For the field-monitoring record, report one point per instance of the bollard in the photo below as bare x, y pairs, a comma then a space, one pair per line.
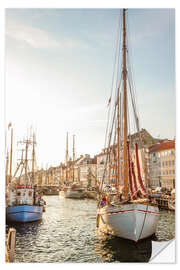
11, 242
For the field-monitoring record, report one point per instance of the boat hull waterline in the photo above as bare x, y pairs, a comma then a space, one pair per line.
74, 194
24, 213
130, 221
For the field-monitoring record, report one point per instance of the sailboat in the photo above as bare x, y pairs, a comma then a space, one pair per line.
23, 200
129, 212
71, 189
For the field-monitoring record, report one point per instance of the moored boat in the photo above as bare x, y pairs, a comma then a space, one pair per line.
75, 191
24, 204
70, 188
134, 221
23, 200
129, 212
24, 213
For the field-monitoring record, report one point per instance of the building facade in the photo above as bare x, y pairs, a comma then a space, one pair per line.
88, 171
162, 165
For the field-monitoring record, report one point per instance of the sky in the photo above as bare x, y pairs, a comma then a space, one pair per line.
58, 74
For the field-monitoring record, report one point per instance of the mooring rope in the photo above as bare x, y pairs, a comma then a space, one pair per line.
143, 222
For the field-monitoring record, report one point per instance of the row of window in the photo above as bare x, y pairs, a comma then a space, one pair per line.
168, 163
163, 153
168, 172
168, 182
158, 173
164, 182
163, 163
155, 173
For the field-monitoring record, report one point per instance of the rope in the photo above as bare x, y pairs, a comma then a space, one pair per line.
110, 135
134, 179
143, 222
111, 122
113, 77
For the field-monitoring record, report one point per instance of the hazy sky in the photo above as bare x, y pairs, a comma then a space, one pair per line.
59, 66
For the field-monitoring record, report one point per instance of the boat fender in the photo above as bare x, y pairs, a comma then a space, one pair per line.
97, 220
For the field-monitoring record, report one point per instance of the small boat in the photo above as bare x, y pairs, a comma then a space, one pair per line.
23, 200
129, 212
71, 189
24, 213
51, 191
75, 191
24, 204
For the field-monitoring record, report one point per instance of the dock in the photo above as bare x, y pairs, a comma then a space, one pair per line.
163, 201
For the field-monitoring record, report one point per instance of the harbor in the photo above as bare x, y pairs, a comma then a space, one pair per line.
67, 233
89, 174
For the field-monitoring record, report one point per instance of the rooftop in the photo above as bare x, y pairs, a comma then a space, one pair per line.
162, 146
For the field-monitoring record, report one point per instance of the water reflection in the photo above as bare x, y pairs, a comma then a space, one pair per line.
67, 233
115, 249
23, 229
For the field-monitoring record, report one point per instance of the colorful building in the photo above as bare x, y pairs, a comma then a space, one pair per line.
162, 165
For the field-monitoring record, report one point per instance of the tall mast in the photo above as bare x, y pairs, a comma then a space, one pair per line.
118, 139
66, 157
26, 157
125, 154
20, 163
7, 166
11, 152
73, 154
33, 156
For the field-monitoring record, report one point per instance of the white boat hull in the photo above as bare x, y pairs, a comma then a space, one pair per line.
74, 194
130, 221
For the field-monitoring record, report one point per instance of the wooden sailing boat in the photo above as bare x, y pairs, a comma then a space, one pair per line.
128, 213
71, 188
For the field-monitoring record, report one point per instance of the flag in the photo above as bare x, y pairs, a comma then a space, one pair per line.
9, 125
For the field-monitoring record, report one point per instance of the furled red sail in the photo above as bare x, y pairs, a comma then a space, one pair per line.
143, 190
134, 180
130, 175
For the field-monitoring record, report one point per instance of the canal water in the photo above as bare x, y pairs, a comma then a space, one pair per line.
67, 233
